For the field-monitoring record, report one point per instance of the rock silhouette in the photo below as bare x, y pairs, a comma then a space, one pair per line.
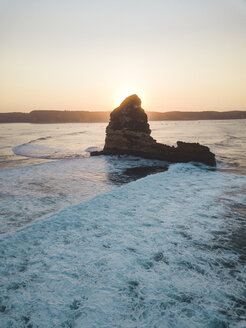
128, 132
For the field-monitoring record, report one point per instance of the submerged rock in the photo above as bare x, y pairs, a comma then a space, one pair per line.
128, 133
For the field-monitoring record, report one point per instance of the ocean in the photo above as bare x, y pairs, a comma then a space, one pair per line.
121, 241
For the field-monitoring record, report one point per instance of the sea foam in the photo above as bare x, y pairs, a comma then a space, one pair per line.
157, 252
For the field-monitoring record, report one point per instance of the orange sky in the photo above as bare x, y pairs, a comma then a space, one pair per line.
90, 55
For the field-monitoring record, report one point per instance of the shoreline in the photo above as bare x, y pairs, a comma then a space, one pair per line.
54, 117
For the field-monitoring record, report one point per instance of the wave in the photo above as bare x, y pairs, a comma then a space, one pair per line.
156, 247
39, 151
39, 139
91, 149
230, 139
59, 135
34, 149
55, 184
227, 164
73, 133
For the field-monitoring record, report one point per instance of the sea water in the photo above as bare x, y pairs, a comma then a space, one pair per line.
95, 242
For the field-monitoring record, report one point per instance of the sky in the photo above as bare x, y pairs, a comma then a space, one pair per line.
90, 55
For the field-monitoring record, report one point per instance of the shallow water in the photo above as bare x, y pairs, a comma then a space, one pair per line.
125, 249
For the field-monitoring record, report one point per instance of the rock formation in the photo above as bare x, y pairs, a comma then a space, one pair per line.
128, 133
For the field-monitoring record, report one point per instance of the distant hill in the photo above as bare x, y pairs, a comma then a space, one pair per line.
190, 116
56, 116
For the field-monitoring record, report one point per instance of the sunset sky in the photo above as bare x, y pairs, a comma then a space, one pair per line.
89, 55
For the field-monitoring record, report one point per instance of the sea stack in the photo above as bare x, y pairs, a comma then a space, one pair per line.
128, 133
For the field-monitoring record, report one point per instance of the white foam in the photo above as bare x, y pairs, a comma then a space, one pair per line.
158, 252
33, 150
28, 193
91, 149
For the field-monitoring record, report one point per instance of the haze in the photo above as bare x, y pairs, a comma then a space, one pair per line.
89, 55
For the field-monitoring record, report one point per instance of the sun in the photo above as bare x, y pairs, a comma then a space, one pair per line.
123, 94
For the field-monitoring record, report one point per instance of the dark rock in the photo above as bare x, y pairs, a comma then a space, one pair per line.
134, 173
128, 132
143, 171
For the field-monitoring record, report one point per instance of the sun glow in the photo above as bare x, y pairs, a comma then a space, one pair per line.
126, 93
